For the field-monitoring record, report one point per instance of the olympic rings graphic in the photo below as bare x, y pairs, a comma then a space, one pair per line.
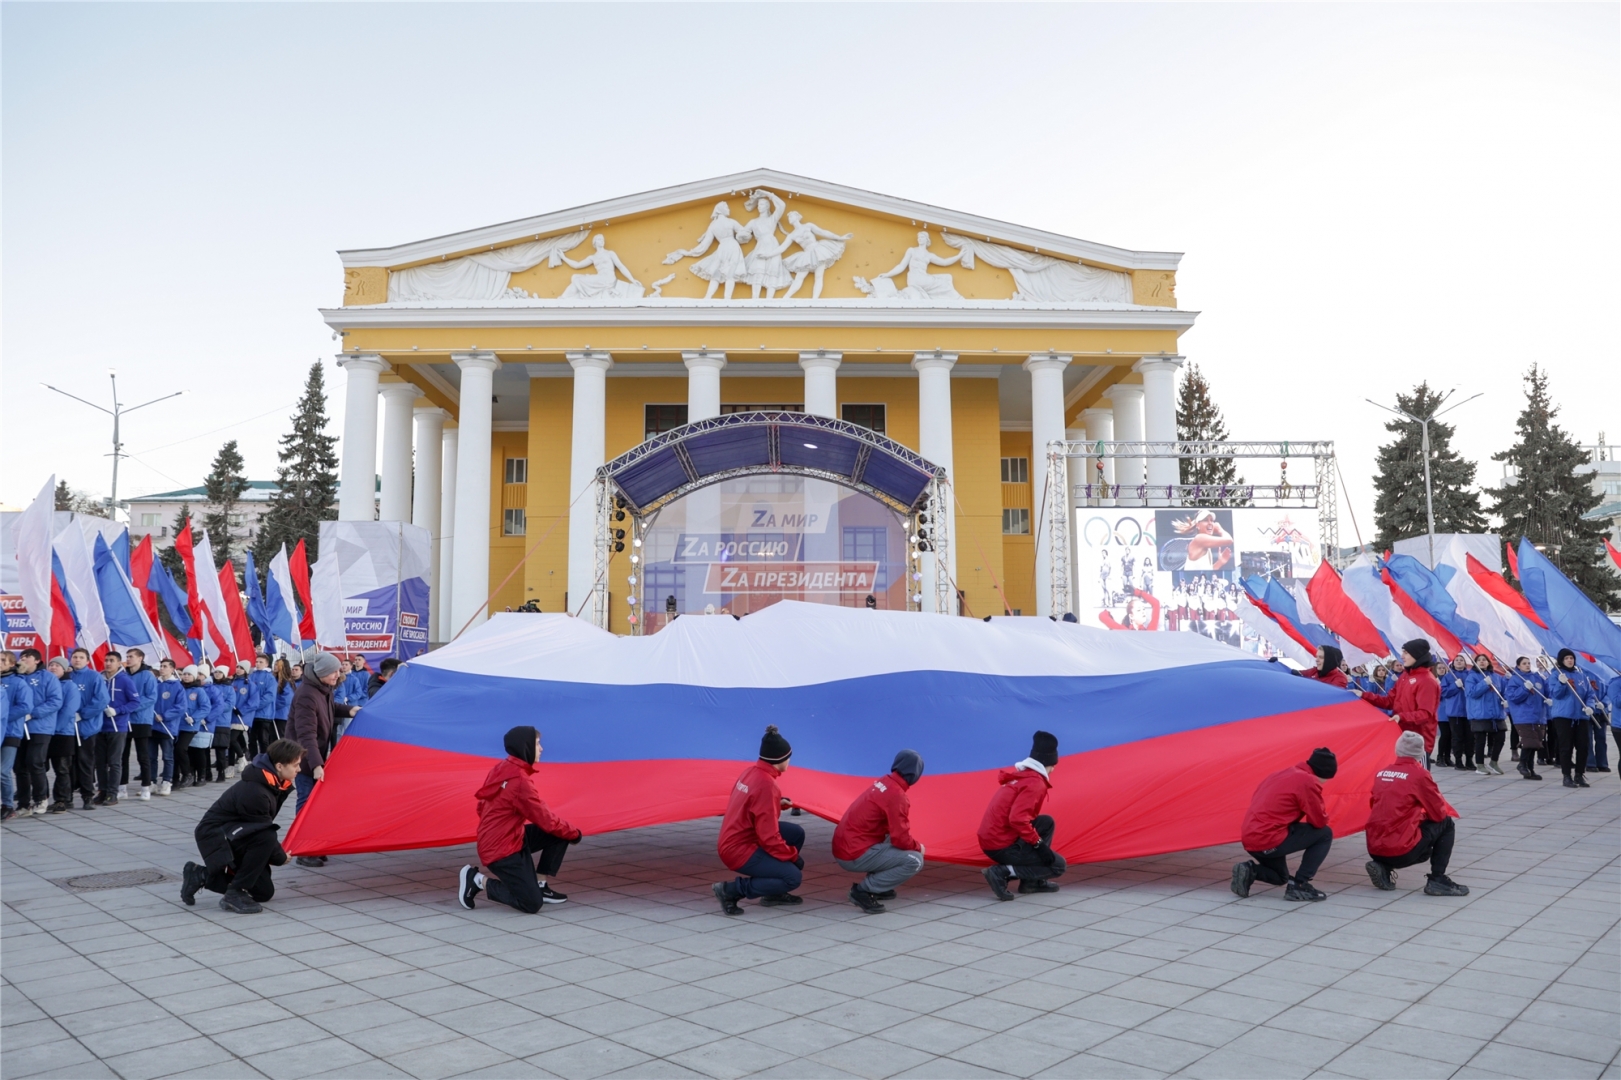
1091, 537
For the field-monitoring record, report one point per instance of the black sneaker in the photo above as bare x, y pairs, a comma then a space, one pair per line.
110, 800
1296, 891
99, 800
1441, 885
469, 888
89, 804
59, 808
787, 899
887, 894
865, 900
1581, 781
191, 879
7, 813
1243, 878
1568, 781
1599, 768
723, 893
549, 895
1037, 886
240, 903
310, 860
1532, 774
1382, 876
997, 877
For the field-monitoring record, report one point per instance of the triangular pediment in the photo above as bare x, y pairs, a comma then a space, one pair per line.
669, 244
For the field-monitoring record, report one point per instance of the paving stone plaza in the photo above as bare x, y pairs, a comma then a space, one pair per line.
369, 968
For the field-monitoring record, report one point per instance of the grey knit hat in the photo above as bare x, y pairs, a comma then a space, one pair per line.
325, 664
1411, 744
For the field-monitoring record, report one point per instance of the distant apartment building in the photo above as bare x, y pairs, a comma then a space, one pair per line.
154, 515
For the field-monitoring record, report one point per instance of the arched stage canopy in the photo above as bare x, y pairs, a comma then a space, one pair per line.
668, 466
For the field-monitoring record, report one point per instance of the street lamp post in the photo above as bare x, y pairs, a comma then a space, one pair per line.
1424, 429
117, 413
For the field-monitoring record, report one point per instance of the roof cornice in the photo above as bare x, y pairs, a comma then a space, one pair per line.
972, 225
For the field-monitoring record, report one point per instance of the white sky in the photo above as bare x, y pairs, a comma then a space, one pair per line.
1367, 195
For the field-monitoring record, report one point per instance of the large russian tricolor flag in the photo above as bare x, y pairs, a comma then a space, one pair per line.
1163, 736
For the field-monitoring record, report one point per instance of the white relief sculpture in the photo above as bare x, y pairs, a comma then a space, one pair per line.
726, 266
605, 283
1043, 279
484, 276
818, 250
763, 265
920, 284
658, 286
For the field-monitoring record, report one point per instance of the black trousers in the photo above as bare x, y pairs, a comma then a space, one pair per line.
514, 880
250, 873
222, 753
33, 757
1443, 742
140, 739
199, 763
260, 736
74, 763
1570, 736
1274, 866
1434, 844
1463, 742
182, 755
1488, 744
1027, 859
239, 745
109, 759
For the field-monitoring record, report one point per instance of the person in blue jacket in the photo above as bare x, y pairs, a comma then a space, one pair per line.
1527, 696
262, 728
1483, 700
18, 701
33, 783
1453, 720
1598, 748
140, 725
359, 679
1612, 698
244, 696
94, 695
168, 718
287, 676
1570, 712
203, 741
220, 716
65, 743
122, 701
193, 705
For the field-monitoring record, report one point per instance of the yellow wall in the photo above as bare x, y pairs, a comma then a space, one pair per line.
505, 551
1018, 552
551, 426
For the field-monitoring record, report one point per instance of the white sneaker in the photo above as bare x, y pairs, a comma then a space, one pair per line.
41, 808
234, 770
1482, 770
165, 788
25, 810
123, 791
146, 793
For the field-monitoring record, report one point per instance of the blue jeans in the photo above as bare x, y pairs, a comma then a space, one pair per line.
763, 875
8, 789
302, 787
1598, 751
162, 749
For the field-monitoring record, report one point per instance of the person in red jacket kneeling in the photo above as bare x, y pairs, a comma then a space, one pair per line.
875, 835
520, 841
1014, 834
1410, 822
1287, 815
763, 850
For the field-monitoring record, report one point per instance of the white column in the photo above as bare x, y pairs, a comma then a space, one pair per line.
394, 503
1075, 475
1128, 427
1046, 426
447, 537
357, 472
821, 382
1159, 416
426, 497
470, 577
587, 452
934, 443
1099, 426
703, 384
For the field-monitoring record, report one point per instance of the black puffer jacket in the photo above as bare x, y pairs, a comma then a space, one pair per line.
248, 806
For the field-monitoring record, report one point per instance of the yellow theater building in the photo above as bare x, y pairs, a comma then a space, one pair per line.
507, 364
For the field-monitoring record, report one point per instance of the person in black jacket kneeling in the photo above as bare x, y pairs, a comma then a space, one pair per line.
237, 836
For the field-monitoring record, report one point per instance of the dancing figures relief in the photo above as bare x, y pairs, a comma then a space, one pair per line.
768, 266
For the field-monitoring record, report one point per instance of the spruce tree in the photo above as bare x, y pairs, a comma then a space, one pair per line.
1547, 497
224, 486
307, 478
79, 502
1198, 419
1398, 510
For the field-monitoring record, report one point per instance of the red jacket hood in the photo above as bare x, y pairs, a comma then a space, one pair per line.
1021, 771
499, 776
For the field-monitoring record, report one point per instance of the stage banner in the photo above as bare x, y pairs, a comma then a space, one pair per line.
743, 545
1179, 568
370, 589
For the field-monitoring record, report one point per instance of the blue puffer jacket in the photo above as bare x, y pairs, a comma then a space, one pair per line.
19, 704
1525, 704
1566, 699
67, 717
93, 700
264, 694
1481, 691
284, 700
243, 697
170, 715
222, 698
1453, 702
123, 700
194, 706
146, 693
356, 683
47, 691
1612, 697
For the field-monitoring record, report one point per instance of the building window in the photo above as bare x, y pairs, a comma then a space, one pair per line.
662, 418
739, 407
149, 520
512, 521
869, 543
868, 416
1015, 470
1016, 520
517, 472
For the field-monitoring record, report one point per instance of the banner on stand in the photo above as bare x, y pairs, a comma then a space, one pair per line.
370, 589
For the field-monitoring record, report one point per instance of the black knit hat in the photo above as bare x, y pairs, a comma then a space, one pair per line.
1419, 650
1332, 659
774, 749
1323, 763
520, 743
1044, 748
1564, 653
